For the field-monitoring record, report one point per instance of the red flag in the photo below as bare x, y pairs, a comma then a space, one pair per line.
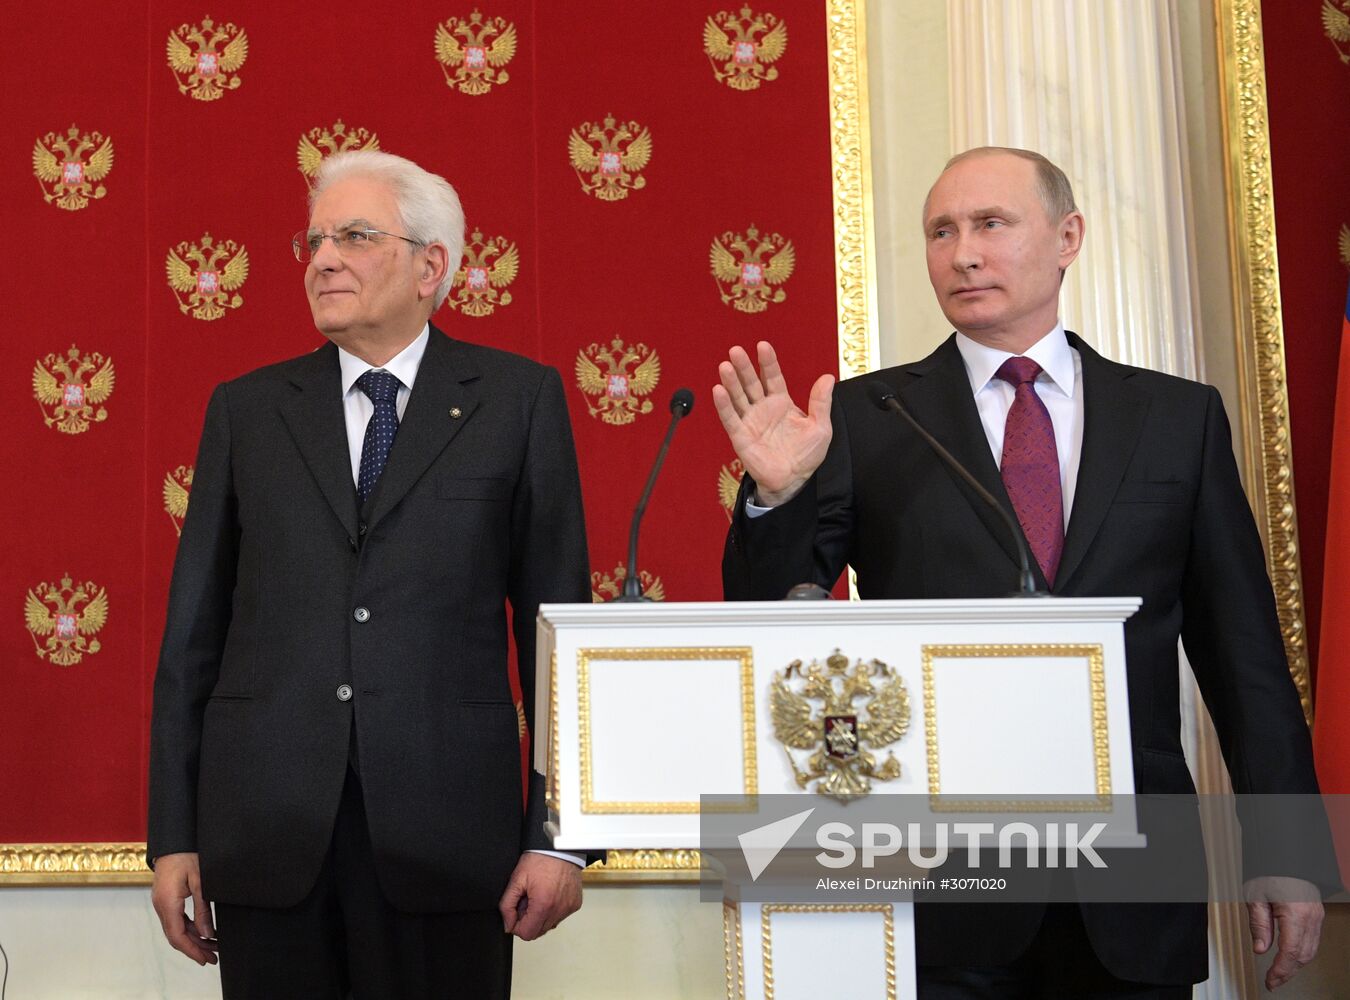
1331, 730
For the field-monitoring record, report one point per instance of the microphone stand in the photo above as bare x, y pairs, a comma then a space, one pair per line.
681, 402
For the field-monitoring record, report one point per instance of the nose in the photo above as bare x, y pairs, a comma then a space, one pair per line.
326, 258
965, 254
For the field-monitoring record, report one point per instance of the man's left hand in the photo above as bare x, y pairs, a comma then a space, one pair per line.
542, 892
1296, 906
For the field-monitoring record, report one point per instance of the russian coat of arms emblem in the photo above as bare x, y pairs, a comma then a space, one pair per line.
473, 52
608, 586
64, 619
202, 276
749, 268
620, 378
1336, 25
69, 167
743, 47
609, 157
838, 735
177, 489
70, 389
729, 485
319, 142
205, 59
490, 265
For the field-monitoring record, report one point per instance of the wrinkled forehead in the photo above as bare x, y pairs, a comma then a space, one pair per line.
971, 185
354, 201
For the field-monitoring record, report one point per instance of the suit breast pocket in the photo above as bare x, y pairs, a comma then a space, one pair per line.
473, 488
1146, 491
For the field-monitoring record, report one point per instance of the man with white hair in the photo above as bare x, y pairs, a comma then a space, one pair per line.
335, 757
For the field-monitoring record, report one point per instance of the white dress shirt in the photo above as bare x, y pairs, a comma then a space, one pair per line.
356, 405
1059, 385
358, 409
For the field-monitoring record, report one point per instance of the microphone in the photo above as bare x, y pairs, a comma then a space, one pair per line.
884, 398
681, 402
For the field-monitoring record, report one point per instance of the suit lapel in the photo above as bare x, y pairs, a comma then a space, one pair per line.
315, 419
1113, 416
940, 399
442, 401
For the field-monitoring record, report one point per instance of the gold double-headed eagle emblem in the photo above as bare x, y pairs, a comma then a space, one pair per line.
479, 286
319, 142
609, 157
202, 276
1336, 25
743, 47
729, 485
64, 618
838, 734
749, 268
69, 166
473, 52
620, 378
608, 586
69, 396
177, 490
205, 59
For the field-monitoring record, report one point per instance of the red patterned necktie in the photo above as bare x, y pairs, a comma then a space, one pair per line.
1030, 466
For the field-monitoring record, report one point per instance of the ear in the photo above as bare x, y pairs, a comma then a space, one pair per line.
432, 269
1070, 236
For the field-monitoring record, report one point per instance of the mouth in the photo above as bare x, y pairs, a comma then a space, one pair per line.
335, 291
961, 293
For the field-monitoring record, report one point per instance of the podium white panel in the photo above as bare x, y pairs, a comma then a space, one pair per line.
784, 951
643, 707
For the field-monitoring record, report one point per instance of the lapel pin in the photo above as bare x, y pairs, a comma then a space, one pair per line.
456, 413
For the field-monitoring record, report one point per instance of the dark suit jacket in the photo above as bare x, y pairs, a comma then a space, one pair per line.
1158, 512
479, 507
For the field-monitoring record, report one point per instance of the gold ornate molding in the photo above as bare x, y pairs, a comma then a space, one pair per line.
851, 173
1259, 328
646, 866
73, 864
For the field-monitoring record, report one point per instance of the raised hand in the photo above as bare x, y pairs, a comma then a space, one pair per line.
780, 445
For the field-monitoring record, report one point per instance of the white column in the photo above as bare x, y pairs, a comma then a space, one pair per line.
1097, 88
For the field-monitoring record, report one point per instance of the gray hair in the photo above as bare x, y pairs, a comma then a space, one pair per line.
427, 205
1051, 183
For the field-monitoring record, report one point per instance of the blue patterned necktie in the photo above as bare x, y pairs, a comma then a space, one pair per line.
382, 388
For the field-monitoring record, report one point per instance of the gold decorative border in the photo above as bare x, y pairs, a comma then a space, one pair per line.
855, 274
886, 910
733, 951
73, 864
851, 172
1101, 750
551, 796
1259, 327
742, 655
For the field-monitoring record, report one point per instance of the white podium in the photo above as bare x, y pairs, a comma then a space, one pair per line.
643, 708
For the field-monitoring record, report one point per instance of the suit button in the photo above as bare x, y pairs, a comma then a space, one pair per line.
344, 692
361, 530
361, 614
352, 543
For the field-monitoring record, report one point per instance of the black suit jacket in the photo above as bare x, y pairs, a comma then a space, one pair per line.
478, 508
1158, 512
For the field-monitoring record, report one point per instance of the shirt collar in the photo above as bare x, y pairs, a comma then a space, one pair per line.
403, 365
1052, 352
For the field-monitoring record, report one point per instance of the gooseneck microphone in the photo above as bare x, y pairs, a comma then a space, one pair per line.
884, 397
681, 402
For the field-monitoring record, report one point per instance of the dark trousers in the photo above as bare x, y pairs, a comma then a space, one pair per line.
344, 940
1059, 965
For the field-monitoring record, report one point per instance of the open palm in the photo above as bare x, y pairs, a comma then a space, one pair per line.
780, 445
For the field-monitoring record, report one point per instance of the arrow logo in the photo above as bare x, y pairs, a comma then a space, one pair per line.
762, 844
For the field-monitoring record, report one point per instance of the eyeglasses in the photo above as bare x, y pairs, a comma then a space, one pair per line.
348, 241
